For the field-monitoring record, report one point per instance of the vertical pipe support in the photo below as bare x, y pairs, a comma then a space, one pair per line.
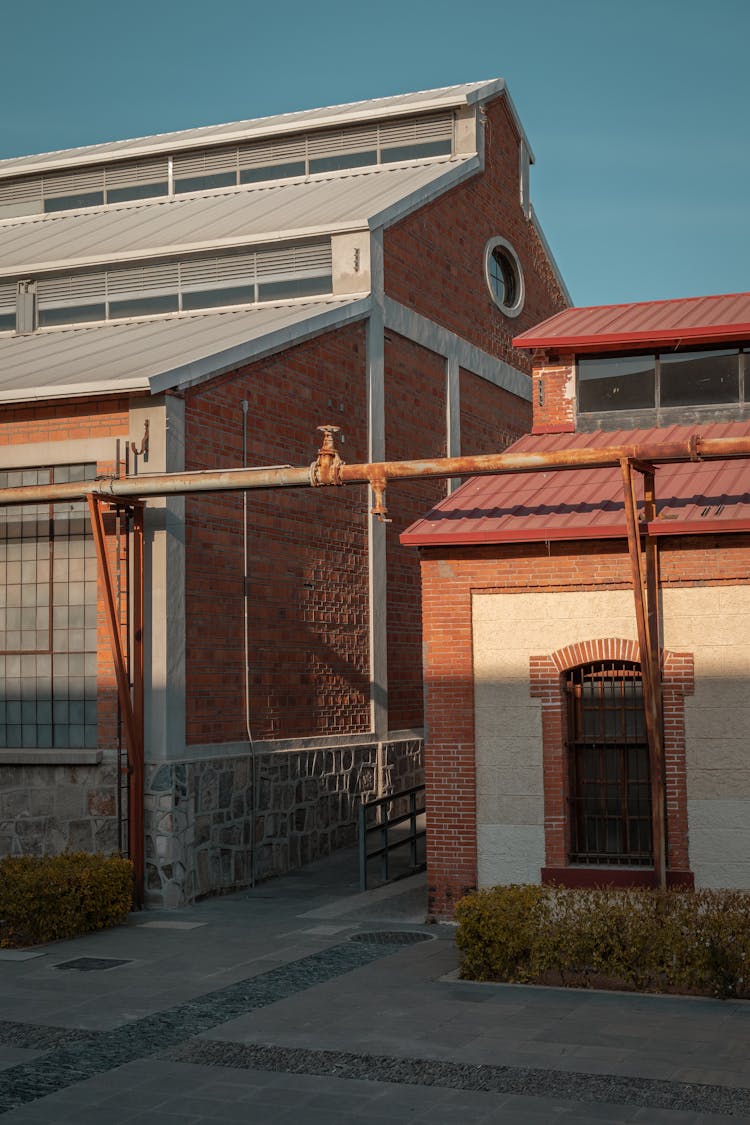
132, 710
648, 642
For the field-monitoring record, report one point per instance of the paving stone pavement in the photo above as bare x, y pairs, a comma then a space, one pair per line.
258, 1007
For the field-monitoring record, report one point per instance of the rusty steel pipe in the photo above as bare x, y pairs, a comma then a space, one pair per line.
694, 448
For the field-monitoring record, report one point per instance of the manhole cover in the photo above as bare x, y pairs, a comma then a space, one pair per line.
91, 964
391, 937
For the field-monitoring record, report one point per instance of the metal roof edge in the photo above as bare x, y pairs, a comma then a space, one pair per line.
517, 121
553, 261
75, 390
218, 363
186, 139
460, 169
658, 529
605, 341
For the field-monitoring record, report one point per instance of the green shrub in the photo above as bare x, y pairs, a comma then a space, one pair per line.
655, 941
45, 898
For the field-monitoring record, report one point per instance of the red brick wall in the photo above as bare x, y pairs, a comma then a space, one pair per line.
434, 259
491, 418
67, 418
448, 578
553, 397
307, 552
415, 426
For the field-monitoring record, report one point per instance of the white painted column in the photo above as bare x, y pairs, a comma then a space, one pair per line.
453, 413
164, 593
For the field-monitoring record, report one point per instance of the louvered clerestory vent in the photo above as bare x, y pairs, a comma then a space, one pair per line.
245, 277
355, 146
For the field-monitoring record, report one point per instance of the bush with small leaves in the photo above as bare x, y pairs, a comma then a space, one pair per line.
46, 898
695, 942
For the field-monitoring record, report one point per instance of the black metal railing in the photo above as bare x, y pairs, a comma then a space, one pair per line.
407, 832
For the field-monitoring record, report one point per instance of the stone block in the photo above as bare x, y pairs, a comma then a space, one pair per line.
100, 803
105, 835
80, 836
161, 780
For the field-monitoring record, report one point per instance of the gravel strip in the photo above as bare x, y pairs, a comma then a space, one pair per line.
575, 1087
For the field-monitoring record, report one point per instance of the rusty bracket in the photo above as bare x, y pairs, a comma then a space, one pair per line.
378, 486
694, 447
326, 469
143, 451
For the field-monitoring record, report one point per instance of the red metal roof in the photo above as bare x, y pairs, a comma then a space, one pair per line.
691, 320
692, 498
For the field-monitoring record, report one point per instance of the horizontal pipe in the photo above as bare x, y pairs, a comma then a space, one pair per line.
286, 476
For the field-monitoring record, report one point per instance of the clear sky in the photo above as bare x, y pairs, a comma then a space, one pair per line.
638, 110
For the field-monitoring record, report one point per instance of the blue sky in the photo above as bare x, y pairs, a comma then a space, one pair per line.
638, 110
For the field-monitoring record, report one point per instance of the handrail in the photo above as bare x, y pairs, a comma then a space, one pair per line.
382, 827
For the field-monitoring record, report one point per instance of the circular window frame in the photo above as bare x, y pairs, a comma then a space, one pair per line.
510, 254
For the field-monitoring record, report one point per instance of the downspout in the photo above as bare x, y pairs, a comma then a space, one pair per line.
246, 647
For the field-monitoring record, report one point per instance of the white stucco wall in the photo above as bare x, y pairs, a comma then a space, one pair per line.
711, 622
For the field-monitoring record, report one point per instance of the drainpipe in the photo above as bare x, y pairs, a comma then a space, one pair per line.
246, 647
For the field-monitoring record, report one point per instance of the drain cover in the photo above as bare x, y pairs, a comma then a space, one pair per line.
91, 964
392, 937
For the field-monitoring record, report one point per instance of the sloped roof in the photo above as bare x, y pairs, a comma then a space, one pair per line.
154, 355
695, 320
692, 498
242, 216
255, 128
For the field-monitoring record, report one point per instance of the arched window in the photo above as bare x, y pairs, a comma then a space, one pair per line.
609, 781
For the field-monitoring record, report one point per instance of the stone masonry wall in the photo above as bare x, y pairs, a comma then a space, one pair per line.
45, 810
199, 823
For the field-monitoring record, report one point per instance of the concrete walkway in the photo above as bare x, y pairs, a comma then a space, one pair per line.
260, 1008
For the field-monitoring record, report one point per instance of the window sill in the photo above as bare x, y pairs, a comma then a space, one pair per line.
601, 876
59, 757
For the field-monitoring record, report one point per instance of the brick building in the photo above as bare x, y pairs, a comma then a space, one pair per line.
205, 299
539, 761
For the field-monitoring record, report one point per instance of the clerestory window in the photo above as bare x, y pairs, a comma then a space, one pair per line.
608, 765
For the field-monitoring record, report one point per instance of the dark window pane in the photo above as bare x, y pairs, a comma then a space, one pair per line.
272, 172
68, 202
136, 191
71, 314
143, 306
342, 160
415, 150
695, 378
211, 298
7, 322
293, 287
625, 383
205, 183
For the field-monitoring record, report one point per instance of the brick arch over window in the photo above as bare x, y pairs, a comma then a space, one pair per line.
546, 685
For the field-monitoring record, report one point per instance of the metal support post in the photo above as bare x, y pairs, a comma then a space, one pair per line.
648, 640
132, 714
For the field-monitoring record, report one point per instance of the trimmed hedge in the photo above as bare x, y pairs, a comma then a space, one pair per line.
46, 898
682, 941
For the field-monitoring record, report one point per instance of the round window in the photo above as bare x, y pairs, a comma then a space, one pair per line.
504, 276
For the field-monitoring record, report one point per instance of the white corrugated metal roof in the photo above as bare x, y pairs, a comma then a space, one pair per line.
421, 101
344, 201
160, 353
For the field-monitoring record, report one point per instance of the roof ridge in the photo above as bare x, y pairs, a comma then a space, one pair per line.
77, 151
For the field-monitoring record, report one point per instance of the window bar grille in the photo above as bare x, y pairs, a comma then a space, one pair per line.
610, 801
